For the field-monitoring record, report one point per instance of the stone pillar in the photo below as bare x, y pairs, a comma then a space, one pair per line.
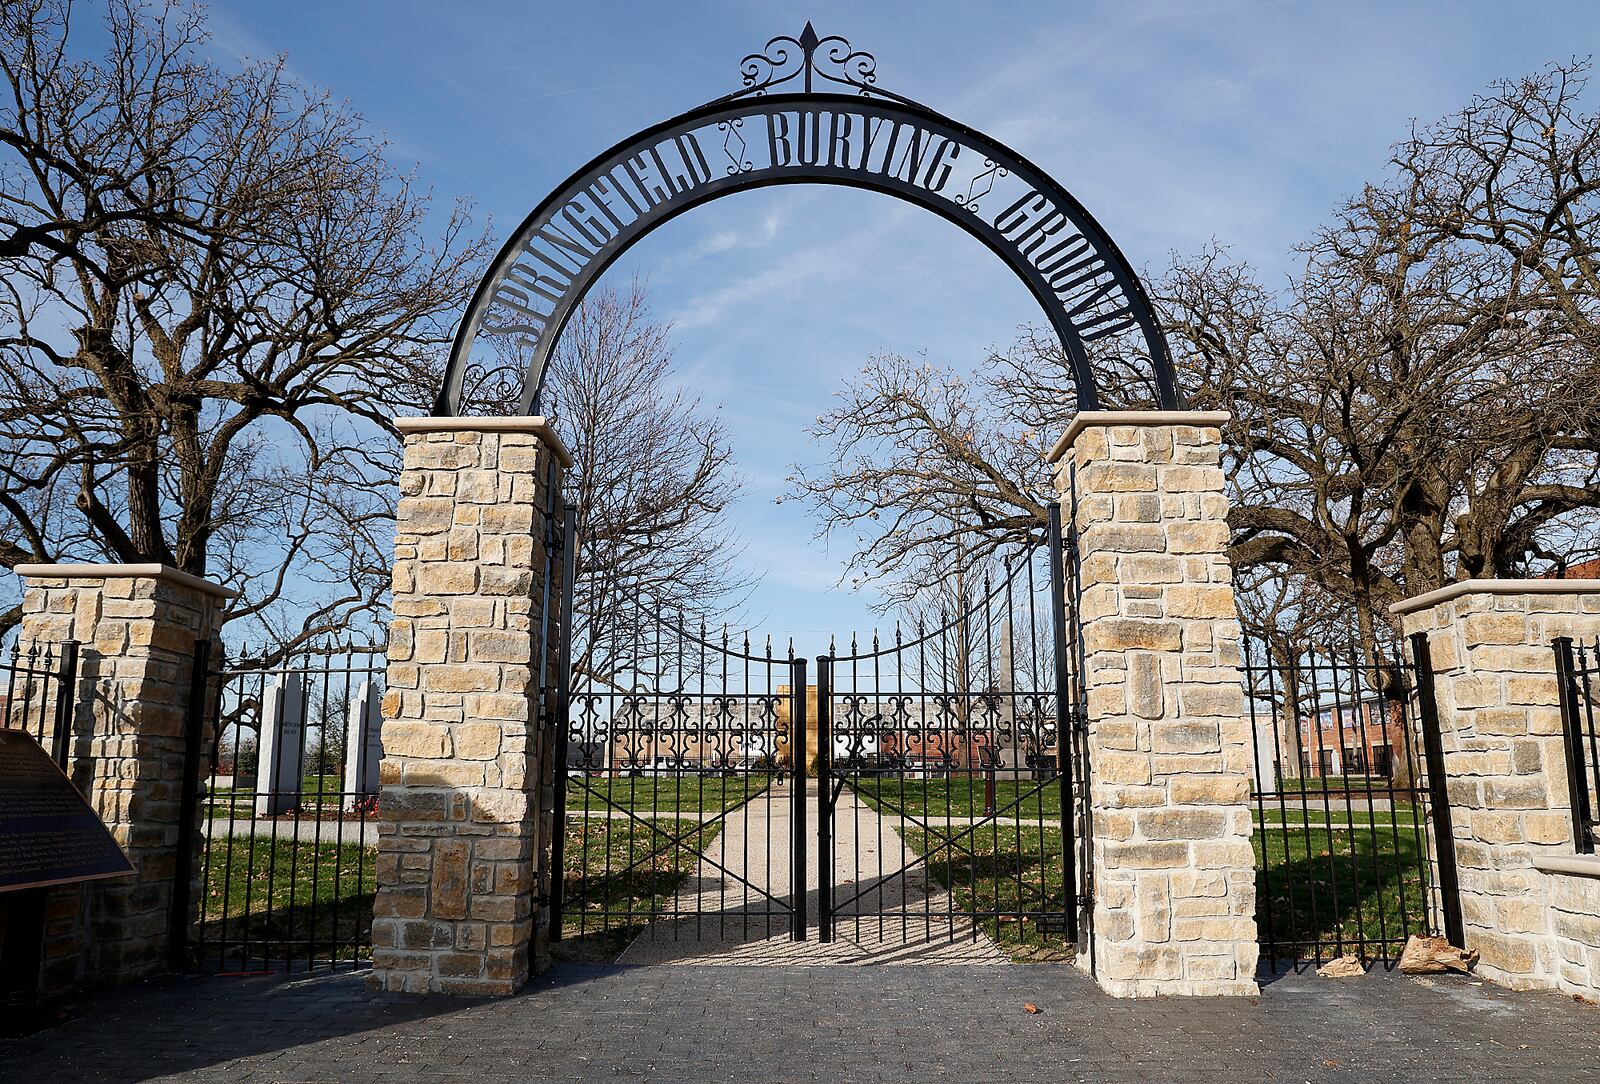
1169, 744
467, 771
1530, 905
137, 626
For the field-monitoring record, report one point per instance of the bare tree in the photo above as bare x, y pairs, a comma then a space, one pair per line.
929, 473
1288, 621
1404, 420
1428, 395
216, 294
652, 479
1418, 405
1514, 178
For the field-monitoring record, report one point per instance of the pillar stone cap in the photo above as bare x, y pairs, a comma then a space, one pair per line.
1576, 865
536, 425
1098, 419
1495, 587
112, 572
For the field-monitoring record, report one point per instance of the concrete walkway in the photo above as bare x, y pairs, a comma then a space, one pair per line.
870, 863
810, 1025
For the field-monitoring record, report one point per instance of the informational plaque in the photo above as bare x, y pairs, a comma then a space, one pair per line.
48, 834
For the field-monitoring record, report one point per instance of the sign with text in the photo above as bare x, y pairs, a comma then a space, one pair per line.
48, 832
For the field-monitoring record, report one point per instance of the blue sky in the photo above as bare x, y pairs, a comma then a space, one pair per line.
1174, 123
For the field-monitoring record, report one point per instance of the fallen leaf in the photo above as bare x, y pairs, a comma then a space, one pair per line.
1433, 954
1345, 967
1030, 1008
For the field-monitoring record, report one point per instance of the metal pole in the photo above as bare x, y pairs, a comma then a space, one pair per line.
1572, 744
66, 701
1064, 732
558, 833
544, 716
824, 806
797, 798
1444, 839
188, 808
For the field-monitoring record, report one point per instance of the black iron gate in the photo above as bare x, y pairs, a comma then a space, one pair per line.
952, 769
682, 814
945, 764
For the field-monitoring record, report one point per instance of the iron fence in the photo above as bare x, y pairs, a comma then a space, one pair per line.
288, 860
1343, 852
35, 684
1578, 672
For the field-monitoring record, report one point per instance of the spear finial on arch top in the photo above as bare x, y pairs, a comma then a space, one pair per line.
808, 59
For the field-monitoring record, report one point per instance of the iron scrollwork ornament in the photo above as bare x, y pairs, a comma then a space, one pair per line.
828, 60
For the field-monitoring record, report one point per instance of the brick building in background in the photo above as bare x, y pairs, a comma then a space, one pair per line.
1362, 738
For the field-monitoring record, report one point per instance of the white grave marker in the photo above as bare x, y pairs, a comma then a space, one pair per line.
283, 714
363, 746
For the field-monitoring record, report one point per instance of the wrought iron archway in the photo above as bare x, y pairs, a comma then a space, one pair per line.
810, 112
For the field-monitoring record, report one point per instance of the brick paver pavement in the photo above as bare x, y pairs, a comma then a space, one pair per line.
843, 1024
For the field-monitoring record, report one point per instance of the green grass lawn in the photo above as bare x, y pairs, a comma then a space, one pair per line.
1321, 891
274, 899
651, 794
1012, 868
1019, 870
1318, 889
236, 803
618, 873
1314, 785
958, 797
1294, 813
